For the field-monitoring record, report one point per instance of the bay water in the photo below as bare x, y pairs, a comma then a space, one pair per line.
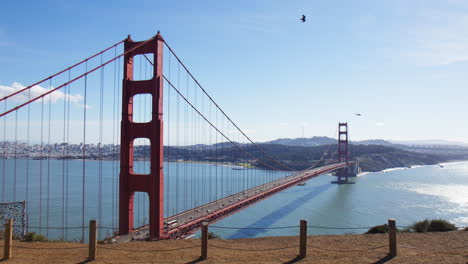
54, 194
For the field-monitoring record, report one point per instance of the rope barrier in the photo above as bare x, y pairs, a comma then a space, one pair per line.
270, 249
147, 251
277, 227
40, 248
228, 227
330, 227
347, 251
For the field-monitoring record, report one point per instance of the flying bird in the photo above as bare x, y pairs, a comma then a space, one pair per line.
303, 18
358, 114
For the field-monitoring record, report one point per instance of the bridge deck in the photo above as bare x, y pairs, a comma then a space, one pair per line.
189, 221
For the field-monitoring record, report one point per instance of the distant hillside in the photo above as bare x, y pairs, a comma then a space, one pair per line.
374, 142
441, 148
317, 141
433, 142
371, 157
305, 142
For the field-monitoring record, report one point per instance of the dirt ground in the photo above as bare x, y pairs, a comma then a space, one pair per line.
449, 247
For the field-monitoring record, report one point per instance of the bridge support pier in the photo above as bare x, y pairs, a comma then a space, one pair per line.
130, 182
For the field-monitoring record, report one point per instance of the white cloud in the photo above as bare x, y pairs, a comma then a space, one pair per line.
37, 91
284, 124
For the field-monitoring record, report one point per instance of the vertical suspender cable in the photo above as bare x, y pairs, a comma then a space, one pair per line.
203, 139
101, 120
119, 132
48, 161
210, 182
114, 106
40, 164
67, 189
16, 156
64, 157
194, 175
222, 155
186, 145
83, 186
4, 154
27, 161
177, 144
169, 167
216, 156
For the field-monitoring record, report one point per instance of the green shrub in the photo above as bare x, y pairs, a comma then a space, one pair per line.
212, 235
435, 225
378, 229
421, 226
33, 237
439, 225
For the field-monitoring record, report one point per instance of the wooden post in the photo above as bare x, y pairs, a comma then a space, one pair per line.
392, 238
92, 240
204, 244
303, 239
7, 253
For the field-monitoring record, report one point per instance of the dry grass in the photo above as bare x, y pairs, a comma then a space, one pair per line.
449, 247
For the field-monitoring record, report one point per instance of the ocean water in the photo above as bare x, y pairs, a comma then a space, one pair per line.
55, 197
404, 194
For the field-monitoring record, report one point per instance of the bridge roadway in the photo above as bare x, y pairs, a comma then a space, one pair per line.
188, 222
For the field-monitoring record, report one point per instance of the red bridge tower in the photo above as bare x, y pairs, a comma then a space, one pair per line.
343, 153
130, 182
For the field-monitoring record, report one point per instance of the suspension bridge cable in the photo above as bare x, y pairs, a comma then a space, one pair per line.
212, 125
74, 79
217, 106
170, 83
62, 71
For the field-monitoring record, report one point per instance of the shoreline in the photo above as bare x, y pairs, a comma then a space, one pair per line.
241, 166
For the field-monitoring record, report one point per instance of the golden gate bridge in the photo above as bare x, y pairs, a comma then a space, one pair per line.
87, 116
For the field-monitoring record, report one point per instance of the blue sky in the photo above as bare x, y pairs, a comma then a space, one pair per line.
401, 64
